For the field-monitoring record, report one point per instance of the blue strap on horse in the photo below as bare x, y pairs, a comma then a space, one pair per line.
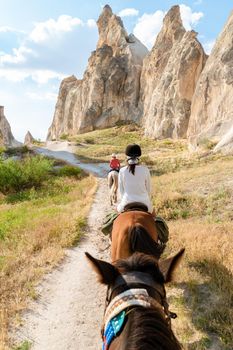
113, 328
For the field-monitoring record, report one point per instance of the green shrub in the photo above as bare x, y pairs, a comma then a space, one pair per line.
69, 170
16, 175
64, 137
16, 151
26, 345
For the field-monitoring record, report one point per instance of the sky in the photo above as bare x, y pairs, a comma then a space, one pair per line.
44, 41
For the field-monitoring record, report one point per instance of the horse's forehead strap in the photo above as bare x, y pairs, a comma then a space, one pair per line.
137, 277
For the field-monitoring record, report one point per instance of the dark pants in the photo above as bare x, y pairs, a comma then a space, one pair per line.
114, 170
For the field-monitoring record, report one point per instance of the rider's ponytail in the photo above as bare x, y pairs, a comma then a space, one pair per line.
132, 162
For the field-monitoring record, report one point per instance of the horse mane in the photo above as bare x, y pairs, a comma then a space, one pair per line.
141, 241
148, 329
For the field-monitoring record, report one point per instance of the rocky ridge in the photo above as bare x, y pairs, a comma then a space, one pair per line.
29, 139
169, 76
174, 91
212, 104
6, 136
109, 90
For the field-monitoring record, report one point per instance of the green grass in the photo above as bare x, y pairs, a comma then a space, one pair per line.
98, 145
33, 234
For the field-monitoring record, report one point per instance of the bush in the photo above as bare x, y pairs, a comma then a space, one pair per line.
69, 170
16, 175
16, 151
64, 137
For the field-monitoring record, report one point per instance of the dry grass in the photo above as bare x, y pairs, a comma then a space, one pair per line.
98, 145
198, 202
36, 232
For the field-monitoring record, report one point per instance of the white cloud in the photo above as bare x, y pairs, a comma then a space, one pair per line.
52, 48
13, 75
38, 76
7, 29
91, 23
128, 12
42, 96
47, 30
19, 55
43, 76
149, 25
208, 46
189, 18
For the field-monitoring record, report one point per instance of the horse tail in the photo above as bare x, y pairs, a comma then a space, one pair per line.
141, 241
110, 180
115, 183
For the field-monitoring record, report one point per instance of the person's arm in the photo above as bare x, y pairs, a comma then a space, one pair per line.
121, 185
148, 181
119, 164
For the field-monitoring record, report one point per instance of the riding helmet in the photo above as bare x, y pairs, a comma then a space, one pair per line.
133, 150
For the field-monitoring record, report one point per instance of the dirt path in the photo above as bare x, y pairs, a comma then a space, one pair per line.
68, 313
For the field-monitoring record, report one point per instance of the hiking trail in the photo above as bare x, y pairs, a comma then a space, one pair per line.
69, 310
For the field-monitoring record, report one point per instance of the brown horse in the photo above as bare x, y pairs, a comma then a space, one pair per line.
134, 231
136, 299
113, 185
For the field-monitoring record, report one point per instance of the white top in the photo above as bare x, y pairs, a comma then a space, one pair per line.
134, 188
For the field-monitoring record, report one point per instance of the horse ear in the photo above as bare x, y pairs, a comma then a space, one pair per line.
168, 266
106, 272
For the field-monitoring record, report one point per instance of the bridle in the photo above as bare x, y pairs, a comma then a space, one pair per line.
133, 289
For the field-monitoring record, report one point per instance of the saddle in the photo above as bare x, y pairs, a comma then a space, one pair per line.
136, 206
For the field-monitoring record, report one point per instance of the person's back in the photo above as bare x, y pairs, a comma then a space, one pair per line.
114, 163
134, 181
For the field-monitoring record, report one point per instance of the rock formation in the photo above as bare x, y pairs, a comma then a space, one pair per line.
212, 105
109, 90
29, 139
6, 137
169, 76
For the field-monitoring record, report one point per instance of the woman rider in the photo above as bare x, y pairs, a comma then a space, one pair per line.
134, 180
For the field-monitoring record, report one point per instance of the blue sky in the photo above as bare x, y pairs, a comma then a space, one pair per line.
42, 42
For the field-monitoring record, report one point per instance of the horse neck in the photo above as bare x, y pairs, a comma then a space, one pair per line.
145, 329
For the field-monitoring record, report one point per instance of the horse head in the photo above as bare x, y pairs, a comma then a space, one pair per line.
137, 315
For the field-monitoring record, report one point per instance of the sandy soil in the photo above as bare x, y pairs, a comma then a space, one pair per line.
68, 313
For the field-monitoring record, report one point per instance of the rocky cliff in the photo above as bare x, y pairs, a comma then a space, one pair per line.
169, 76
6, 137
29, 139
109, 90
212, 104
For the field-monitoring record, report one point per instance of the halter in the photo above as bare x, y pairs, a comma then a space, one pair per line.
134, 295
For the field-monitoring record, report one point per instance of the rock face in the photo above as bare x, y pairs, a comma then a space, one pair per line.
212, 105
109, 90
6, 137
29, 139
169, 76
